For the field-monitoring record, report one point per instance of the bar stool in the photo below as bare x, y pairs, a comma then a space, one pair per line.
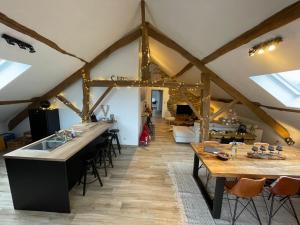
114, 133
89, 162
284, 187
247, 189
101, 145
107, 150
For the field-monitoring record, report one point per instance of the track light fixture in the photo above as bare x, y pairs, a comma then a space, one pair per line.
269, 45
12, 41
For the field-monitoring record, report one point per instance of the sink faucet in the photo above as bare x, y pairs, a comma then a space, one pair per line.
64, 135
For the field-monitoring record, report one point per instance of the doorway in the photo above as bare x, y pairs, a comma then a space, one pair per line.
157, 103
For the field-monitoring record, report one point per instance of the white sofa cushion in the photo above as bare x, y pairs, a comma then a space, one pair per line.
182, 131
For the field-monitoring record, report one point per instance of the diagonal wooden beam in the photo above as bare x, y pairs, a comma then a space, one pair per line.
127, 39
11, 102
100, 99
279, 19
277, 127
183, 70
69, 104
31, 33
224, 109
186, 99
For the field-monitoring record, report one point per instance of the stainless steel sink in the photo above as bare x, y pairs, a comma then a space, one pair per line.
48, 144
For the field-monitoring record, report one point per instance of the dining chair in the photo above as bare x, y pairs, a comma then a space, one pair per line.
244, 188
283, 188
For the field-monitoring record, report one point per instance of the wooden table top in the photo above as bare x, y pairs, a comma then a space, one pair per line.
67, 150
242, 166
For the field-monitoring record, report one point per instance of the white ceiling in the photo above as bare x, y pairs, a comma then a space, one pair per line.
85, 28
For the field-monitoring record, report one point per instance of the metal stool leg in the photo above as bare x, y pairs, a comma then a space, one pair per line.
293, 209
104, 161
234, 213
108, 153
111, 147
96, 172
84, 181
118, 143
271, 210
255, 210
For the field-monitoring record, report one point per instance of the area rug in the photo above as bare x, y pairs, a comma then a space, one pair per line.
195, 211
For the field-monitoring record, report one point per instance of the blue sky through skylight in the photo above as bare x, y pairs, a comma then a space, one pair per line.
10, 70
284, 86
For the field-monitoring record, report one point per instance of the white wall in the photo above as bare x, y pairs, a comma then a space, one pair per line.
21, 128
124, 103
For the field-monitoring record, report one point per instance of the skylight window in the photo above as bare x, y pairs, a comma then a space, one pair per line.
10, 70
284, 86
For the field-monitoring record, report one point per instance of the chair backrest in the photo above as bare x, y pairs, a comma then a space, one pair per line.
246, 188
285, 186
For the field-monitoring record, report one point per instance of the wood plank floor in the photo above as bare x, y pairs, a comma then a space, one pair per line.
138, 190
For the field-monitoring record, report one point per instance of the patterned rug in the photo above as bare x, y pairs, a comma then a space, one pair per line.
195, 211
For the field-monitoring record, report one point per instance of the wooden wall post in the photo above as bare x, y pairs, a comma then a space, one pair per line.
145, 61
205, 107
86, 95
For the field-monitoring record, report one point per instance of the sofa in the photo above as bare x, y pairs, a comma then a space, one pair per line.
185, 134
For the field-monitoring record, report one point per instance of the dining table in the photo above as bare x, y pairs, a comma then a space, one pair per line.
237, 167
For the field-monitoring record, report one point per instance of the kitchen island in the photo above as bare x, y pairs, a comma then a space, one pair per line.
40, 179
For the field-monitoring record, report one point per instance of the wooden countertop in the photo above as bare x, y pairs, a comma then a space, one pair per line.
243, 166
67, 150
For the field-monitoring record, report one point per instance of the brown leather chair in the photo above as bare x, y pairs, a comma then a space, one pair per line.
247, 189
284, 187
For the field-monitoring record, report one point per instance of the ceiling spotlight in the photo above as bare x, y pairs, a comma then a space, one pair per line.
12, 41
269, 45
251, 52
261, 51
272, 47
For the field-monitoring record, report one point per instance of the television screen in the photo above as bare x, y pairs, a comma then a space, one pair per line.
184, 110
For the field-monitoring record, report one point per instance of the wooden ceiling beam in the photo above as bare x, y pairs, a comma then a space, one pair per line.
139, 83
277, 20
100, 99
12, 102
31, 33
225, 108
145, 50
186, 99
127, 39
226, 100
85, 95
69, 104
183, 70
277, 127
